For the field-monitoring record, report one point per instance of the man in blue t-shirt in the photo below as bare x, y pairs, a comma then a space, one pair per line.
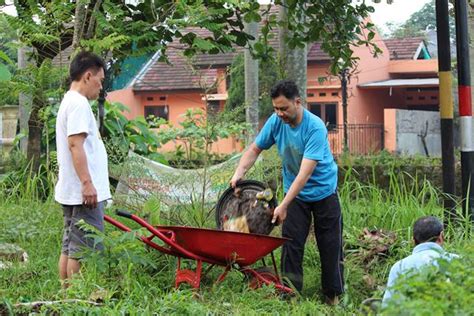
310, 183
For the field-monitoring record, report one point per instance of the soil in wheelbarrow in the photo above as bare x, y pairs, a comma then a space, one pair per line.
248, 208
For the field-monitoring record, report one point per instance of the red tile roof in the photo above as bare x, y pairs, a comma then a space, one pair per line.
403, 48
178, 76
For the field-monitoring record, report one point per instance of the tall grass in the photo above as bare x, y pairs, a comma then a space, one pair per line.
391, 208
130, 279
24, 184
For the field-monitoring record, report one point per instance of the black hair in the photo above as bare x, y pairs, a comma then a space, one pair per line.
83, 62
287, 88
427, 228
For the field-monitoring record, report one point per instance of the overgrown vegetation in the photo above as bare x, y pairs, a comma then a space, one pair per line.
196, 135
129, 278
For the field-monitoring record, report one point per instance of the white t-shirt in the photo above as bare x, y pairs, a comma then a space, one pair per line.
75, 117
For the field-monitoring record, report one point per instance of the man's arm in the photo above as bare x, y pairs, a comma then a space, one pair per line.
245, 163
79, 160
306, 169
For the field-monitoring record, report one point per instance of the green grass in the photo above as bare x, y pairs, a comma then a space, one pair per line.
130, 279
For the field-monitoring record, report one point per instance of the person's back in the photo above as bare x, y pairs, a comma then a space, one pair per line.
428, 236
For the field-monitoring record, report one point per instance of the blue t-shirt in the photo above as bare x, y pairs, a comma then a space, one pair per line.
307, 140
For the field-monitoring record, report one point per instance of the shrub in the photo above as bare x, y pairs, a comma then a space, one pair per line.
446, 289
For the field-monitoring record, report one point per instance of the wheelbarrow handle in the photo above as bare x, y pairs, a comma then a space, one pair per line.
123, 213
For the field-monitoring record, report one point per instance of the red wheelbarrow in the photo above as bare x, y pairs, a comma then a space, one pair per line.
215, 247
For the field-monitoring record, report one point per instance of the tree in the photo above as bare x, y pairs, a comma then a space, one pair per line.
268, 72
51, 26
293, 61
251, 84
418, 23
339, 25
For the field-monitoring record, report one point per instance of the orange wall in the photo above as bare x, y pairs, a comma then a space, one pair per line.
178, 103
316, 71
367, 106
128, 98
428, 67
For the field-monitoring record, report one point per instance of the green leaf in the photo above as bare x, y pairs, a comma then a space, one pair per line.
203, 44
259, 48
7, 59
370, 36
5, 74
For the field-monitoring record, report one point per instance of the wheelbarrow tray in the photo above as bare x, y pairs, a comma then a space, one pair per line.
224, 246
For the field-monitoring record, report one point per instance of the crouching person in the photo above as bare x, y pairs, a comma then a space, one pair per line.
428, 237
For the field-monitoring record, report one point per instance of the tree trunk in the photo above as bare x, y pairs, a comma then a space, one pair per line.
293, 62
79, 23
92, 19
24, 100
34, 137
251, 85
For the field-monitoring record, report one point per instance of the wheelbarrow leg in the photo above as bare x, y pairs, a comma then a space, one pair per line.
223, 275
275, 267
190, 277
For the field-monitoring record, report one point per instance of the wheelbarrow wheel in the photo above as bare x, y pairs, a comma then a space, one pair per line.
265, 272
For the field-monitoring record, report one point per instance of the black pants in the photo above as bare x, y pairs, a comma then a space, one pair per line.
328, 230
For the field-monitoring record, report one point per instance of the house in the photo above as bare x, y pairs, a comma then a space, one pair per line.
403, 77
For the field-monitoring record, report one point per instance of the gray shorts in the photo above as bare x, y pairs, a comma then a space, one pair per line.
74, 237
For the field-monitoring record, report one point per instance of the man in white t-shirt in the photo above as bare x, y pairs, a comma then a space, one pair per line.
83, 182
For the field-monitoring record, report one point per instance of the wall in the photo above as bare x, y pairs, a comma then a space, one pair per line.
128, 98
178, 103
366, 106
404, 127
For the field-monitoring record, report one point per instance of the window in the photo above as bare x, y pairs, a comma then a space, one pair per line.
326, 111
315, 108
330, 117
156, 111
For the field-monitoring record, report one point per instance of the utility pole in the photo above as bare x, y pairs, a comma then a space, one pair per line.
446, 108
465, 108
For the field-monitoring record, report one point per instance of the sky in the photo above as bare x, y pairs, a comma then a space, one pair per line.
397, 12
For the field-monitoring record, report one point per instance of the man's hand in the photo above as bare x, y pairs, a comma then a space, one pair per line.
89, 194
235, 178
279, 214
247, 161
